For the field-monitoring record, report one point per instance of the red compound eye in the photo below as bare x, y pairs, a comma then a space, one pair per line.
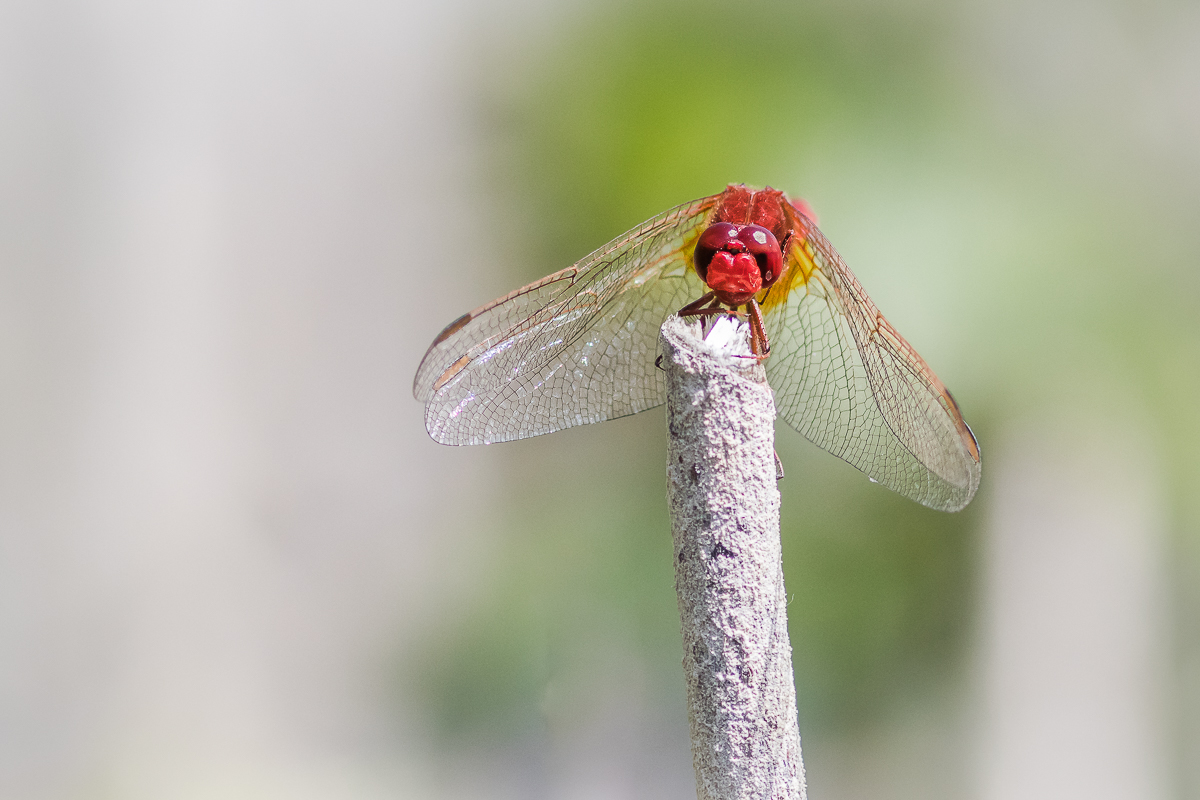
753, 239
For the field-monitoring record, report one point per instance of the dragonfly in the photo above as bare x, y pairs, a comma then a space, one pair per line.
580, 346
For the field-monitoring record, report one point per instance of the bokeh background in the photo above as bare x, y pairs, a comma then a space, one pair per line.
232, 565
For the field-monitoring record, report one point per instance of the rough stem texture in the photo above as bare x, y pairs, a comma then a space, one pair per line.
737, 658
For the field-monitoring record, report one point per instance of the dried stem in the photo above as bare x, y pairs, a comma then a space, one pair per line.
737, 658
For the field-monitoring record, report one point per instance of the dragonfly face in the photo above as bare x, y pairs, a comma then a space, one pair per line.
737, 261
579, 346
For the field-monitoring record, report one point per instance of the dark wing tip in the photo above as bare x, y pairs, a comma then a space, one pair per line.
964, 430
452, 328
422, 392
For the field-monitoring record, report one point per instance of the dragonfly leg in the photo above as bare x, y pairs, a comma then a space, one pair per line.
759, 344
713, 309
778, 466
716, 312
693, 308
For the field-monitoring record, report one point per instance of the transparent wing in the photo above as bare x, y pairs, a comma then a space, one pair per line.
849, 382
576, 347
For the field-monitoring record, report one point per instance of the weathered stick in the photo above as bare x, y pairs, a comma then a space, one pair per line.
737, 659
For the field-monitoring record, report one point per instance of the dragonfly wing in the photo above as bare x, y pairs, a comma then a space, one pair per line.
575, 347
845, 379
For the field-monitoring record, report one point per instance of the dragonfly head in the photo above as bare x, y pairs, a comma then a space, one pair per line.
736, 261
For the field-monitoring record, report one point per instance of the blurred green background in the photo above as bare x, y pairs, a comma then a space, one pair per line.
1001, 232
233, 565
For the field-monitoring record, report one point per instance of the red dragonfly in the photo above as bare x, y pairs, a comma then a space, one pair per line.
579, 346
